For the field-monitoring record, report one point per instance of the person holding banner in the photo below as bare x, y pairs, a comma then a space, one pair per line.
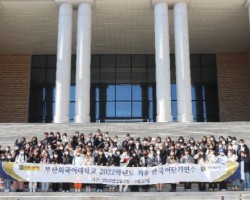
146, 161
123, 163
187, 159
77, 160
100, 160
134, 162
246, 160
157, 161
35, 158
56, 160
172, 159
18, 186
66, 160
212, 158
232, 157
88, 161
201, 160
45, 160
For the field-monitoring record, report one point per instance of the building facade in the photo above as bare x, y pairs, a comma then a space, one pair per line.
147, 61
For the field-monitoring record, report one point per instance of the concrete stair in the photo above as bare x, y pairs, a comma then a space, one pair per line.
9, 132
129, 196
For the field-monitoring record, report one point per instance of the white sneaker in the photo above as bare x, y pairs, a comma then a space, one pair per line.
98, 190
63, 190
245, 189
31, 190
248, 189
67, 191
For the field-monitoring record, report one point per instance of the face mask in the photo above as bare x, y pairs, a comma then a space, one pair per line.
233, 142
61, 148
181, 140
16, 148
158, 152
66, 153
22, 152
55, 156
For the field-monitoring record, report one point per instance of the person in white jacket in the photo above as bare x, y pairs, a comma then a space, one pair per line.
232, 157
77, 160
88, 161
18, 186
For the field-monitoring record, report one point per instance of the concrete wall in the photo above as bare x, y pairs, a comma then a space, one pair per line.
234, 86
14, 88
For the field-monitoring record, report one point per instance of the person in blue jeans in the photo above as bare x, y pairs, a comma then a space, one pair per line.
245, 158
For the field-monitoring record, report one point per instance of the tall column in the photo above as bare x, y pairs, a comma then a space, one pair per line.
182, 59
82, 107
247, 5
162, 59
63, 66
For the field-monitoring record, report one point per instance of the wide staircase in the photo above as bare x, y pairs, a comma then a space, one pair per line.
10, 132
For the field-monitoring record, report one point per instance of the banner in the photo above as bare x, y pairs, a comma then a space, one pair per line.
169, 173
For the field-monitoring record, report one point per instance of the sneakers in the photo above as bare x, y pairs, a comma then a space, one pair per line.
98, 190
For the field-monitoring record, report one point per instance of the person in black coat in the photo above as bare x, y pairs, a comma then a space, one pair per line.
56, 160
134, 162
66, 160
245, 158
34, 158
100, 160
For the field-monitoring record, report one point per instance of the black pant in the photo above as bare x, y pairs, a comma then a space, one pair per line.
187, 185
66, 186
212, 185
55, 187
173, 187
145, 188
202, 186
134, 188
223, 185
99, 186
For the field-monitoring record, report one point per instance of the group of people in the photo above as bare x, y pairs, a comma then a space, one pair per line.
103, 150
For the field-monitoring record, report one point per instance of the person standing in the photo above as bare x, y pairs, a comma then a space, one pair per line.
245, 158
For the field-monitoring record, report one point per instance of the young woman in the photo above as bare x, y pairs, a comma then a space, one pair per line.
172, 159
88, 161
56, 160
45, 160
100, 160
158, 160
66, 160
18, 186
77, 160
35, 158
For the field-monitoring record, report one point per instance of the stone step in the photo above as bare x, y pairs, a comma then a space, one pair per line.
10, 132
129, 196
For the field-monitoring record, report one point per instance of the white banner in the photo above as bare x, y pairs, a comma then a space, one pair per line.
172, 173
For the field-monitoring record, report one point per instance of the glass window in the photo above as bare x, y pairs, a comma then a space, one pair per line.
174, 109
107, 61
110, 109
38, 61
123, 109
151, 60
136, 92
37, 94
137, 109
95, 61
139, 75
123, 92
123, 61
38, 76
172, 60
209, 75
196, 75
208, 60
72, 110
73, 76
173, 91
51, 75
195, 60
151, 75
95, 75
107, 75
123, 75
139, 61
107, 92
51, 61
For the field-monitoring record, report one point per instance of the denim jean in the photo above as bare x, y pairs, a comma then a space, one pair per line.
246, 180
7, 184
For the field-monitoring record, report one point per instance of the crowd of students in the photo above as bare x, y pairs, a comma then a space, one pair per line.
104, 150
